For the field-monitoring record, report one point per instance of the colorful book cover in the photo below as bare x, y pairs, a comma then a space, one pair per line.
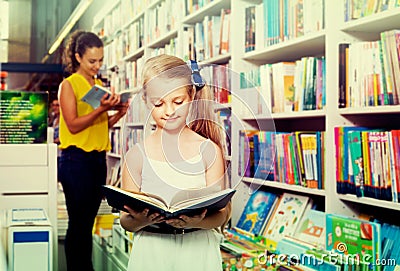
312, 228
286, 218
292, 246
23, 117
256, 212
249, 152
267, 153
395, 153
308, 145
358, 240
375, 163
356, 156
241, 160
320, 159
386, 189
345, 177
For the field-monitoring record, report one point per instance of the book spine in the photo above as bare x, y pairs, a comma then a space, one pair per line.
342, 75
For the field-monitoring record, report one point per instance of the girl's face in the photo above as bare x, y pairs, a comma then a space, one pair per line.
91, 61
169, 102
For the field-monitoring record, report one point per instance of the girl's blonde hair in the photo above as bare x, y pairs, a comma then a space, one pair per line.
202, 118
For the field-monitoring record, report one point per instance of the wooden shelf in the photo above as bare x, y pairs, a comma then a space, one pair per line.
134, 55
289, 115
372, 202
284, 186
161, 41
308, 45
385, 109
114, 155
211, 9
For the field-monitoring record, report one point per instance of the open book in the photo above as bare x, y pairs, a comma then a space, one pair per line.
94, 95
186, 202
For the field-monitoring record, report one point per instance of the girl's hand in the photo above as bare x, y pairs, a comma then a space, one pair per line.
186, 221
144, 218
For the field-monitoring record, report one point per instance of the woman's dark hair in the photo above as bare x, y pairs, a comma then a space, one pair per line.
78, 42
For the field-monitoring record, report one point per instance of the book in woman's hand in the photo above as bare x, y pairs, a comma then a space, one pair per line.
94, 95
186, 202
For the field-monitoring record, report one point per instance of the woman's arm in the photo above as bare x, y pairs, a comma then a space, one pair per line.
68, 105
113, 119
131, 180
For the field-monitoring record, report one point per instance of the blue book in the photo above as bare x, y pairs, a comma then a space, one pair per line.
256, 153
266, 156
94, 95
257, 211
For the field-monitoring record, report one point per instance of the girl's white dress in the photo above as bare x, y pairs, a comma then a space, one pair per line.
195, 251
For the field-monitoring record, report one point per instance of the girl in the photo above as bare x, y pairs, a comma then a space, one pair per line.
181, 153
84, 140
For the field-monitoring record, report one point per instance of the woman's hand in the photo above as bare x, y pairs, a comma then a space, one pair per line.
186, 221
143, 218
122, 108
108, 101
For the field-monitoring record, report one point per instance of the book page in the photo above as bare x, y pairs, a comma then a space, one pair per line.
126, 94
200, 202
150, 198
186, 195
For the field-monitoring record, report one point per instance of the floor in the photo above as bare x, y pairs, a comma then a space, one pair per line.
62, 266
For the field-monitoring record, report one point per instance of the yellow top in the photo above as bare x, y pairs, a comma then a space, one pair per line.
94, 137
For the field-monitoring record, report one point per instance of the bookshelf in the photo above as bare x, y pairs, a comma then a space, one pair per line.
321, 43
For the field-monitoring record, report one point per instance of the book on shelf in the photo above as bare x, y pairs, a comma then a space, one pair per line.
241, 247
312, 228
286, 218
94, 95
225, 31
250, 28
360, 239
356, 161
242, 242
390, 235
114, 174
310, 157
257, 211
343, 72
295, 158
344, 177
369, 72
320, 261
185, 202
367, 162
283, 86
266, 156
292, 246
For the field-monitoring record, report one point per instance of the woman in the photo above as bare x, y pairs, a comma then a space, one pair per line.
84, 140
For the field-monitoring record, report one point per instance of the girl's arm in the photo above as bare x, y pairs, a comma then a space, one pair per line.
131, 180
68, 106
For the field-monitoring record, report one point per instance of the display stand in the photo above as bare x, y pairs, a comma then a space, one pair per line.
29, 240
28, 174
